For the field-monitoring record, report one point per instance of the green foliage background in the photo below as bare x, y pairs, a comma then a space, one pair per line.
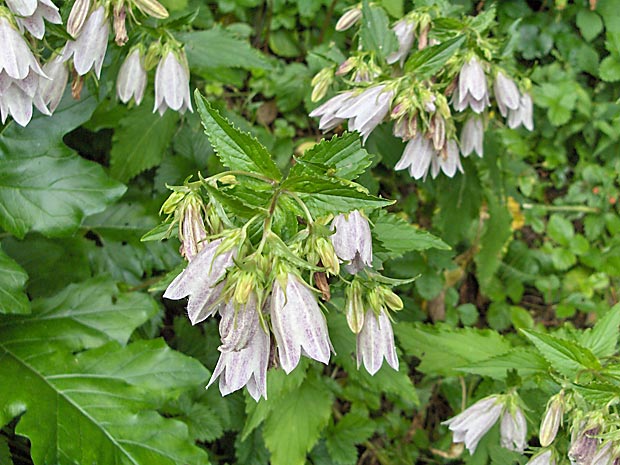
96, 368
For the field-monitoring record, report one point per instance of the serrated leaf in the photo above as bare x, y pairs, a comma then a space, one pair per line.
83, 315
342, 439
603, 338
342, 157
324, 196
599, 393
443, 349
140, 140
237, 150
294, 427
218, 48
430, 60
524, 360
13, 298
375, 33
398, 236
44, 185
565, 356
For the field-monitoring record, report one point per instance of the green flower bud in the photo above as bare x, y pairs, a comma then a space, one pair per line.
354, 307
552, 419
328, 257
391, 299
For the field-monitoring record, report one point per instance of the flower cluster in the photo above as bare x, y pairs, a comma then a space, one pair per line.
262, 296
26, 82
426, 113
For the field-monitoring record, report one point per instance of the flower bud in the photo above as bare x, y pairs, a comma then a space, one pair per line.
354, 307
391, 299
327, 254
120, 28
552, 419
584, 445
321, 82
192, 231
170, 205
244, 287
544, 458
152, 8
346, 66
77, 17
348, 19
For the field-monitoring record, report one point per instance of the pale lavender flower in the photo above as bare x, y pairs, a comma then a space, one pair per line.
77, 17
202, 281
544, 458
352, 240
53, 89
448, 160
238, 325
298, 324
192, 232
417, 156
404, 34
471, 424
88, 49
172, 85
32, 19
472, 136
131, 80
246, 367
513, 429
375, 342
16, 59
603, 455
583, 446
348, 19
471, 90
327, 111
522, 115
506, 94
366, 110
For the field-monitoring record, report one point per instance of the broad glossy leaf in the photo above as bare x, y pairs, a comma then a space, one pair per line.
44, 185
428, 61
13, 279
342, 157
237, 150
140, 140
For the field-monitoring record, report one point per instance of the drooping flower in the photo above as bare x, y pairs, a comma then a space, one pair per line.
544, 458
238, 324
298, 324
53, 89
404, 34
474, 422
327, 111
472, 136
192, 232
506, 94
522, 115
245, 367
88, 49
348, 19
375, 342
352, 240
131, 80
513, 429
584, 445
417, 156
448, 160
32, 13
552, 419
354, 306
471, 90
20, 76
202, 281
172, 84
366, 110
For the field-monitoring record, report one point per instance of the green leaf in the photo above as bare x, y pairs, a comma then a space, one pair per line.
589, 23
294, 427
354, 428
5, 452
526, 361
393, 7
218, 48
443, 350
602, 339
13, 279
140, 140
342, 157
376, 34
44, 185
560, 229
609, 69
237, 150
398, 236
430, 60
565, 356
84, 315
324, 196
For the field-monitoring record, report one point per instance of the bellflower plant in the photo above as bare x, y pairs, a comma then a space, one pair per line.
404, 30
53, 89
172, 83
375, 342
131, 80
352, 240
513, 429
472, 90
88, 49
31, 15
472, 136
